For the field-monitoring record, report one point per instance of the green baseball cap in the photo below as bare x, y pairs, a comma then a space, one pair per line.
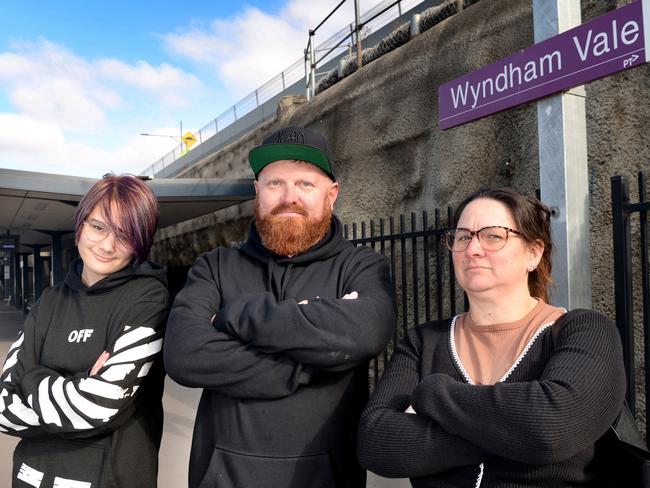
293, 143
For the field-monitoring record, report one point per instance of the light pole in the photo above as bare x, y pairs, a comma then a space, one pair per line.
176, 138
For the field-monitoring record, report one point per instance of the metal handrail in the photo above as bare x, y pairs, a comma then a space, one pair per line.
311, 64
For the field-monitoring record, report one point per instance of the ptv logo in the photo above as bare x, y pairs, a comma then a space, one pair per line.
81, 335
630, 61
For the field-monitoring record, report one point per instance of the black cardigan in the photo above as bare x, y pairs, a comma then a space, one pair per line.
536, 428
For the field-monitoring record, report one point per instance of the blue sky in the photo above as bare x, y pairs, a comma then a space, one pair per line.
79, 81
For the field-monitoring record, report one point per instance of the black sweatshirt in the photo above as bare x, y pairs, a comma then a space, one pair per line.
284, 363
537, 427
99, 431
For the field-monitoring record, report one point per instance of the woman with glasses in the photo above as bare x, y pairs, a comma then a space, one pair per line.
496, 396
82, 385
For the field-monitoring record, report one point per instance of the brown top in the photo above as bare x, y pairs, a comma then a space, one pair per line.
487, 352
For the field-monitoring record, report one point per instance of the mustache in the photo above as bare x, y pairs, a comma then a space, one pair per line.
289, 208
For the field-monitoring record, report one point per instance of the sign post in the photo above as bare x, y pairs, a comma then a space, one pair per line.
563, 168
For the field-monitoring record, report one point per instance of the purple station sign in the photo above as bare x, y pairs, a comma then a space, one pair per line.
612, 42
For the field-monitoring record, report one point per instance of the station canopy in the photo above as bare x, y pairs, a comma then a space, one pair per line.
36, 205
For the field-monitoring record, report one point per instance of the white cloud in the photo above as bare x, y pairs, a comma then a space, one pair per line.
18, 132
78, 116
48, 82
169, 84
251, 48
60, 102
29, 144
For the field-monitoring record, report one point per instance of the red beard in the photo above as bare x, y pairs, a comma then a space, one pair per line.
290, 236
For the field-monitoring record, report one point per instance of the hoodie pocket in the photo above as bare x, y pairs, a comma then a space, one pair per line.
233, 469
57, 462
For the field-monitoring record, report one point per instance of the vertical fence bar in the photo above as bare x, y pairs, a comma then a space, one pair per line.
425, 259
393, 278
375, 364
382, 242
439, 289
452, 275
622, 283
402, 248
414, 258
645, 287
374, 248
382, 247
386, 241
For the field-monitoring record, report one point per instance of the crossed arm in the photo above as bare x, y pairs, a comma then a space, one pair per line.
258, 347
571, 405
36, 400
396, 444
329, 334
198, 355
540, 421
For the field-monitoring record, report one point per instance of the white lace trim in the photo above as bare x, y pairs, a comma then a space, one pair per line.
454, 352
480, 476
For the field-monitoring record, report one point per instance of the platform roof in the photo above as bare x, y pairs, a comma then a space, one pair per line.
35, 204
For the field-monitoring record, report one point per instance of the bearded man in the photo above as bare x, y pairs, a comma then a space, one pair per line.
278, 332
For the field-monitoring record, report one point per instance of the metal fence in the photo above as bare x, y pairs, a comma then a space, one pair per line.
422, 274
293, 75
631, 278
423, 281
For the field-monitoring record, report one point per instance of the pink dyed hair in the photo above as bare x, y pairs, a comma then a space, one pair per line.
128, 205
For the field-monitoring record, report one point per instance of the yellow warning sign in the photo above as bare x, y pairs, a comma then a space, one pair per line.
189, 139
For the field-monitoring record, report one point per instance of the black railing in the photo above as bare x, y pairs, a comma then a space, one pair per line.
626, 217
421, 268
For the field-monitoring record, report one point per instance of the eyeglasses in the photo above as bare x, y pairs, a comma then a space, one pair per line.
491, 238
97, 232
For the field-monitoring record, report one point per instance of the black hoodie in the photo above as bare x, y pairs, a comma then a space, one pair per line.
77, 430
284, 362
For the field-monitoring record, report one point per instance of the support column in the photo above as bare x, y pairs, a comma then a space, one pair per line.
58, 273
11, 288
25, 281
37, 272
18, 283
563, 171
57, 258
